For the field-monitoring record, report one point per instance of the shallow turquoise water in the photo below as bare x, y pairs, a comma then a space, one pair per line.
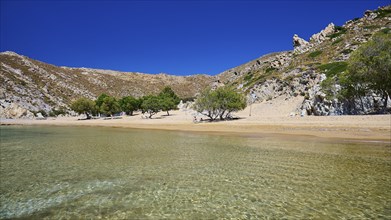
84, 172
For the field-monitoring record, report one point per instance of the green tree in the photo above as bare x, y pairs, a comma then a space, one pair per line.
84, 106
99, 100
129, 104
370, 69
110, 106
151, 105
219, 103
168, 99
167, 91
352, 88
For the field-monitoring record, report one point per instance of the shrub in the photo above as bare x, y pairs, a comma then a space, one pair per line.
347, 51
385, 30
315, 54
248, 76
332, 69
337, 41
355, 19
56, 112
370, 27
188, 99
340, 30
381, 13
270, 69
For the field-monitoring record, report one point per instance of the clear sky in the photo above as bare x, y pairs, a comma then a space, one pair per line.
176, 37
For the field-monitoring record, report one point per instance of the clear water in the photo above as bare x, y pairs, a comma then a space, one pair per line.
74, 172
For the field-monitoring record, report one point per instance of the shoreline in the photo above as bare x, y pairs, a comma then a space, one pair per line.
366, 128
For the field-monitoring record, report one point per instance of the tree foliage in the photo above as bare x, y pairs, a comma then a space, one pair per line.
219, 103
129, 104
84, 106
369, 69
167, 104
99, 100
151, 105
110, 106
168, 99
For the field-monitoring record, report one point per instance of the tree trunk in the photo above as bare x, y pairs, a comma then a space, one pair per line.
210, 115
362, 104
168, 113
222, 115
385, 97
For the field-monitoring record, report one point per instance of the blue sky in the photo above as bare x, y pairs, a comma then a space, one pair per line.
176, 37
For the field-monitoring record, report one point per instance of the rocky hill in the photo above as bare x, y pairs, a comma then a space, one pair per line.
30, 86
302, 71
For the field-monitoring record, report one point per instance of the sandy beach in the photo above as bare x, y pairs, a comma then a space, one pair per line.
264, 119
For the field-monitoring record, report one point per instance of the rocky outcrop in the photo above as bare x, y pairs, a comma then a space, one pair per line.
322, 35
318, 104
270, 61
370, 15
13, 110
280, 60
299, 44
297, 82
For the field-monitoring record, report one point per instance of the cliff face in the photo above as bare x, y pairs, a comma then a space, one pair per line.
29, 85
32, 85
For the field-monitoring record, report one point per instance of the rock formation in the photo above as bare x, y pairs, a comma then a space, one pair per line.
299, 44
369, 15
322, 35
13, 110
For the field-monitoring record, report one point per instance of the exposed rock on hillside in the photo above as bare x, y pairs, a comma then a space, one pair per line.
299, 44
29, 85
12, 110
36, 86
301, 72
322, 36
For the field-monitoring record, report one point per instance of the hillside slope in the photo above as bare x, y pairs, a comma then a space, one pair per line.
30, 86
300, 72
33, 85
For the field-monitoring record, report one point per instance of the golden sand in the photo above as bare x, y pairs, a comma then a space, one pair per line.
368, 127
